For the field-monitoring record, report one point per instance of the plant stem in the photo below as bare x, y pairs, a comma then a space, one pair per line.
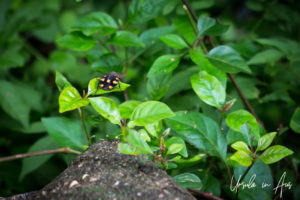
242, 178
202, 194
190, 18
31, 154
81, 114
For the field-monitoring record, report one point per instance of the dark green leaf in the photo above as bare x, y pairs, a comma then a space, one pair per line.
189, 180
32, 163
66, 132
200, 131
76, 41
295, 121
142, 11
126, 39
95, 22
164, 64
209, 89
107, 108
204, 24
266, 56
70, 99
150, 36
13, 104
157, 86
108, 63
227, 60
149, 112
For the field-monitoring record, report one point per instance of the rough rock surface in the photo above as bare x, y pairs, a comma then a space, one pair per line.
102, 173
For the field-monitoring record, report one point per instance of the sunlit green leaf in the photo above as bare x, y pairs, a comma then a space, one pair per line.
209, 89
164, 64
70, 99
241, 146
242, 158
274, 154
150, 112
174, 41
127, 107
265, 141
154, 128
107, 108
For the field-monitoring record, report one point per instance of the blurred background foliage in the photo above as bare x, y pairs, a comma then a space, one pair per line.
265, 33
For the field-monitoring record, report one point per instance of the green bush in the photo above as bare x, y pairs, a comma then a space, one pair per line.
206, 89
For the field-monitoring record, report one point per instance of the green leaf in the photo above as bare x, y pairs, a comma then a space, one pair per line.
209, 89
176, 145
127, 107
150, 112
164, 64
274, 154
70, 99
240, 117
107, 63
13, 103
188, 180
144, 135
154, 128
66, 132
184, 28
242, 158
203, 63
126, 39
241, 146
208, 26
204, 24
227, 59
32, 163
151, 35
107, 108
95, 22
142, 11
93, 88
157, 86
174, 41
265, 141
200, 131
61, 81
295, 121
266, 56
76, 41
137, 145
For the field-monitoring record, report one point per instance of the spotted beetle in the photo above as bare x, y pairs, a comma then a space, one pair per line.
109, 81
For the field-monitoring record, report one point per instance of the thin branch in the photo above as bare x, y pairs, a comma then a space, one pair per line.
31, 154
242, 96
242, 178
81, 114
206, 195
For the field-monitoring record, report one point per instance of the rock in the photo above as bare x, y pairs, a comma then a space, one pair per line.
101, 172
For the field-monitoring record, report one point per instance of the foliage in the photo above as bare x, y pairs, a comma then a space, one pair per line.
184, 110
